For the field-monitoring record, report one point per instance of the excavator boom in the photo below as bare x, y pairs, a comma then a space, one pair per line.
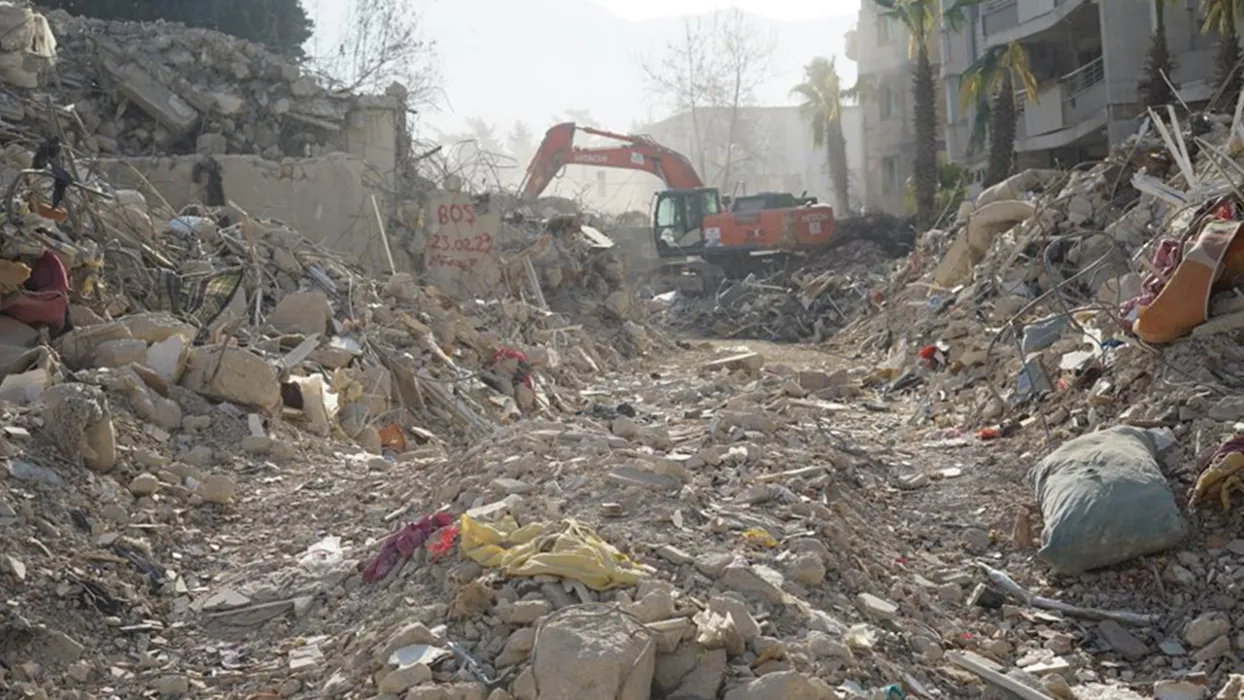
637, 153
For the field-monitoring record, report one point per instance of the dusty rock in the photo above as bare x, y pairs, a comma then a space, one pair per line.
704, 681
1215, 649
218, 489
232, 374
593, 653
175, 686
144, 484
78, 420
877, 608
714, 564
785, 685
517, 648
1122, 641
1179, 690
402, 679
302, 312
808, 569
523, 612
167, 358
1205, 628
119, 353
758, 581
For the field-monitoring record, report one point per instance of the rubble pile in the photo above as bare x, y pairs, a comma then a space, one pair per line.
235, 465
638, 543
803, 300
1070, 304
1035, 274
129, 88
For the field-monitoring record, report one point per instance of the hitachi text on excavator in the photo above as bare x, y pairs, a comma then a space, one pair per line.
691, 222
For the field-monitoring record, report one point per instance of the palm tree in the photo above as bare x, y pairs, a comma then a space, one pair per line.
993, 77
919, 17
1221, 16
1156, 90
821, 106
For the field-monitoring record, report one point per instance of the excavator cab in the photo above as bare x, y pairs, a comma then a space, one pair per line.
678, 219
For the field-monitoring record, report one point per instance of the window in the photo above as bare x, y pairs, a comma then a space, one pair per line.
710, 201
889, 103
885, 29
952, 103
890, 175
667, 212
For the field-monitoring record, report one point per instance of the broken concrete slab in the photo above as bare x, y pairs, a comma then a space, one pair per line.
232, 374
161, 103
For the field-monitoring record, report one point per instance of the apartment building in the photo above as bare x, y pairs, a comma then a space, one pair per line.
1087, 57
881, 48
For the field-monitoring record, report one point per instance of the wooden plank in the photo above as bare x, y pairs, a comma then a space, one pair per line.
1022, 691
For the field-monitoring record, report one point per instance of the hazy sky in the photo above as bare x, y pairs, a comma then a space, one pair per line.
638, 10
532, 60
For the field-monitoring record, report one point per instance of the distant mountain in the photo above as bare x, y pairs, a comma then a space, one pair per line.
536, 59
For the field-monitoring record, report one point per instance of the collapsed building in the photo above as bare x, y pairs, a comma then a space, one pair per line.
318, 435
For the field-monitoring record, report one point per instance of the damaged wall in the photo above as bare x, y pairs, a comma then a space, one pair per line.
327, 199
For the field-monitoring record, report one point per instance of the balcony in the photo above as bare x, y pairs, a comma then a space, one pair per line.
852, 49
1003, 21
1062, 110
999, 16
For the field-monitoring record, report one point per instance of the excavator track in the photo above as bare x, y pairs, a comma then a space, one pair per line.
705, 274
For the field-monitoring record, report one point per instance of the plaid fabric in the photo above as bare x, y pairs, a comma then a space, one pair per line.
199, 300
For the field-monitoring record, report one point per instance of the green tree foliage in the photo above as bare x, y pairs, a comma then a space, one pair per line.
282, 25
1222, 16
990, 83
820, 104
1156, 90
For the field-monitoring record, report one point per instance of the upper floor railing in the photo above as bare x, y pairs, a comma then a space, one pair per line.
1075, 97
1001, 15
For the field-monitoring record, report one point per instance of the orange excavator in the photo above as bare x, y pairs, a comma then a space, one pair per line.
688, 219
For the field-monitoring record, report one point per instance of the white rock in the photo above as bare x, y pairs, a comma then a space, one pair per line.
591, 652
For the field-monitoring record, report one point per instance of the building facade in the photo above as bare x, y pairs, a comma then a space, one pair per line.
881, 48
1087, 57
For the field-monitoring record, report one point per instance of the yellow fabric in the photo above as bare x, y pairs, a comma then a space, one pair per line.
569, 550
759, 537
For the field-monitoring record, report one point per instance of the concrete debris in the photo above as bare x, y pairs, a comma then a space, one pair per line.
180, 90
800, 300
240, 462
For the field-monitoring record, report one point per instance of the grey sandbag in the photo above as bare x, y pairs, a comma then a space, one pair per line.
1104, 500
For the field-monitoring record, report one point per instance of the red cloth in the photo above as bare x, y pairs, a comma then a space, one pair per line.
442, 541
403, 544
523, 375
45, 300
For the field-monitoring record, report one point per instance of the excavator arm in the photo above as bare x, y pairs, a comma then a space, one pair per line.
636, 153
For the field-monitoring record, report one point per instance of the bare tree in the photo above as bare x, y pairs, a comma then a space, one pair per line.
686, 75
711, 72
746, 57
383, 45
